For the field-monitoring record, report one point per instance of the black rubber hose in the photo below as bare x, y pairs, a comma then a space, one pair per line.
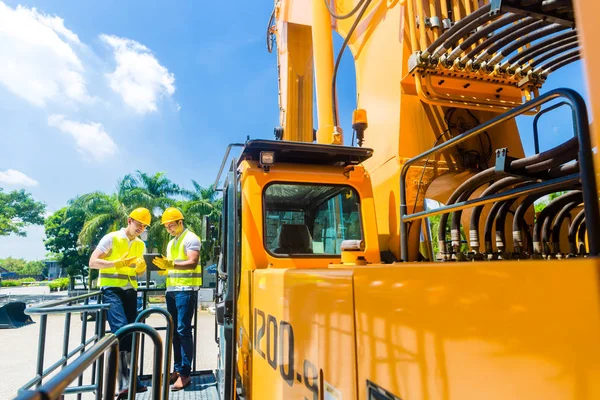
554, 52
344, 16
562, 153
496, 36
519, 223
481, 33
558, 65
573, 228
458, 34
525, 40
557, 225
541, 47
476, 214
549, 211
501, 222
506, 37
581, 238
552, 63
482, 12
489, 222
339, 59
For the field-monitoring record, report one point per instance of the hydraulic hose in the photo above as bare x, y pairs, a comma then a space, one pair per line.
456, 34
541, 47
519, 223
581, 238
487, 233
530, 37
550, 210
557, 225
481, 13
495, 36
339, 59
545, 160
500, 23
343, 16
573, 228
476, 214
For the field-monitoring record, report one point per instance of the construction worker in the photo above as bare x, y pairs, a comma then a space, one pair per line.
119, 259
184, 278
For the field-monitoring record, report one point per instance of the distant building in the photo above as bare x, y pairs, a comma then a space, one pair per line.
6, 274
53, 269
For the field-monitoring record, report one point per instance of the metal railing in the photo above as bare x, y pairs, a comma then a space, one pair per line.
145, 292
586, 167
64, 307
58, 385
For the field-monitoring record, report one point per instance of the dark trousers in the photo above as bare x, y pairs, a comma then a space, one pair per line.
181, 306
122, 311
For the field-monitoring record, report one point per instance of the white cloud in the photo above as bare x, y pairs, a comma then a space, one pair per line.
138, 77
14, 177
91, 139
37, 57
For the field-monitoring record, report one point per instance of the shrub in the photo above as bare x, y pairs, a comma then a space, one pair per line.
11, 283
59, 284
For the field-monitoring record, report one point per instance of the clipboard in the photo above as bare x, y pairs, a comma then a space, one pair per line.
148, 259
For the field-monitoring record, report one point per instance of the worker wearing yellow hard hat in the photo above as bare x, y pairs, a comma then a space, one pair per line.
119, 259
184, 277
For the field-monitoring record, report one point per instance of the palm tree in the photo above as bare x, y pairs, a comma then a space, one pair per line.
202, 201
155, 193
103, 213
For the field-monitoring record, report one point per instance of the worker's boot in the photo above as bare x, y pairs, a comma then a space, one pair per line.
123, 376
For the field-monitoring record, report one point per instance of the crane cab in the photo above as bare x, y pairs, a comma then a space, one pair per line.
294, 215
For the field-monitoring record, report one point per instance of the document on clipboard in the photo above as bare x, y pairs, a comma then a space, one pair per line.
148, 258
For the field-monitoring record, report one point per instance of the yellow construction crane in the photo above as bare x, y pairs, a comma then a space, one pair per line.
331, 287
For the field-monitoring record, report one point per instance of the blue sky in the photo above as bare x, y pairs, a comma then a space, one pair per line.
91, 91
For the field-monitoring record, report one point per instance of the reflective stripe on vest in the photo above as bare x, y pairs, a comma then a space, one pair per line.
178, 277
120, 277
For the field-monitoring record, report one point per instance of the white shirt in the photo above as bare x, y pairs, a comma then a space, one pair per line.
190, 243
105, 246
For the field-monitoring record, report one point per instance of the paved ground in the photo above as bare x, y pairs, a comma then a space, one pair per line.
18, 348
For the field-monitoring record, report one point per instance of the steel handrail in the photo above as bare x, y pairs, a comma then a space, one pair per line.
57, 385
158, 357
168, 343
58, 307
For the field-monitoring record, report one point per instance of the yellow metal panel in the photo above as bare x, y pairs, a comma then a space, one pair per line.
296, 59
315, 308
503, 330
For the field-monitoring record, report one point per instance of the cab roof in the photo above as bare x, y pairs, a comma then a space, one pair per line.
306, 153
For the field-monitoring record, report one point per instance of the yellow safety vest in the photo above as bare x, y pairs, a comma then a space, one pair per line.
178, 277
119, 277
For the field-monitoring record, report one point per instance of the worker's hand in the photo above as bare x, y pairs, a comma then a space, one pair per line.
163, 263
124, 262
140, 265
163, 273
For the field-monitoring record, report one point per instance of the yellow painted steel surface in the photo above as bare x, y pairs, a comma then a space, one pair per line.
477, 330
502, 330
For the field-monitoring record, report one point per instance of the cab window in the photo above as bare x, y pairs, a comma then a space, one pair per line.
310, 219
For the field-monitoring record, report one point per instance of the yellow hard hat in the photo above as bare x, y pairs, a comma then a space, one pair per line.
141, 215
171, 214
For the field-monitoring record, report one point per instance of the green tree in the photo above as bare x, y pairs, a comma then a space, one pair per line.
62, 232
13, 264
202, 201
101, 213
34, 268
18, 210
